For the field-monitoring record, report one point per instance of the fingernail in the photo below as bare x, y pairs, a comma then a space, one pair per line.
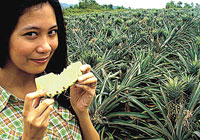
44, 90
39, 91
82, 68
51, 101
77, 85
80, 78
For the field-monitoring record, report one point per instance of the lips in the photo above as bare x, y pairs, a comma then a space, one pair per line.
40, 60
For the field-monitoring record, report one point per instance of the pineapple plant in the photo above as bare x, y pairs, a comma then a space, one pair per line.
147, 65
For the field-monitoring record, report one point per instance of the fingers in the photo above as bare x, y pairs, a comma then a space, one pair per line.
29, 99
87, 79
85, 68
32, 101
36, 102
85, 76
36, 114
44, 108
91, 81
44, 118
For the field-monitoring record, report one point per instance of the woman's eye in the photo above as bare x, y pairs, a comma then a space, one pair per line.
53, 32
31, 35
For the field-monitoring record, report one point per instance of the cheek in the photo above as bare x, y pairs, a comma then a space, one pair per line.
16, 47
54, 44
19, 48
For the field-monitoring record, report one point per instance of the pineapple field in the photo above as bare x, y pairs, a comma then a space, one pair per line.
147, 63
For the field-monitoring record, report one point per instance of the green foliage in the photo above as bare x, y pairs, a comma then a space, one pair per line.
148, 69
174, 88
179, 4
89, 4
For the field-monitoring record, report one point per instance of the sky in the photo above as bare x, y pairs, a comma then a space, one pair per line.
135, 3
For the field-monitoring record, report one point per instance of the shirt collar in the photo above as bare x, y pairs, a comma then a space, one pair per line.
4, 98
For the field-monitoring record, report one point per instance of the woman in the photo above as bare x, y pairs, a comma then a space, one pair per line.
33, 41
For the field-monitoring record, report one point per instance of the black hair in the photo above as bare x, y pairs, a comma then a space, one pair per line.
10, 13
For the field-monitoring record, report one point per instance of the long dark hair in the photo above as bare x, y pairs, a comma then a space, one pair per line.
10, 13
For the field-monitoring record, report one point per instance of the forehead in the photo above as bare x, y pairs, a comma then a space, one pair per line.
38, 15
34, 7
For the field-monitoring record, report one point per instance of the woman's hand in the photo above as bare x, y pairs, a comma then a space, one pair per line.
81, 95
36, 116
83, 91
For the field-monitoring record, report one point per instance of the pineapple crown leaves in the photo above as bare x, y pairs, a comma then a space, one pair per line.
196, 62
174, 83
174, 87
198, 40
192, 64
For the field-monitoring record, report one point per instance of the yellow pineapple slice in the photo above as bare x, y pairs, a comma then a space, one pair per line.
56, 84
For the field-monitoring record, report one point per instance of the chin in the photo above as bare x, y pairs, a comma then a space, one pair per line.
36, 71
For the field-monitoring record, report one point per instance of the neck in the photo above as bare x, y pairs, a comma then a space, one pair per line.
17, 82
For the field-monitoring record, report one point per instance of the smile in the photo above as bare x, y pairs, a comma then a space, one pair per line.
41, 60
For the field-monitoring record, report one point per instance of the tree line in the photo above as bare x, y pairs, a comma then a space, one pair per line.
92, 4
180, 4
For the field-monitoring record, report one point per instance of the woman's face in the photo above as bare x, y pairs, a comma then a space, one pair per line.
34, 39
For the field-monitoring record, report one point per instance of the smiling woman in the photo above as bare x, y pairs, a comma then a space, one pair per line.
10, 19
37, 38
33, 40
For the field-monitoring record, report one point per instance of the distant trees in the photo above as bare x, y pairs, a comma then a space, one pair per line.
170, 4
110, 6
92, 4
89, 4
180, 4
120, 7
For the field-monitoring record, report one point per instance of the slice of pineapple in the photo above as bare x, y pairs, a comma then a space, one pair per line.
56, 84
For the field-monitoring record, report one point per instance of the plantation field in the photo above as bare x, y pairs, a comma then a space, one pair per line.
148, 67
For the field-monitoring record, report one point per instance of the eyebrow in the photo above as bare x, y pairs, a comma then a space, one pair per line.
36, 28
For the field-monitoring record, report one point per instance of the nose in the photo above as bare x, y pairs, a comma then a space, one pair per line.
44, 46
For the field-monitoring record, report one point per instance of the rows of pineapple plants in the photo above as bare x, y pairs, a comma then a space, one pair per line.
147, 63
